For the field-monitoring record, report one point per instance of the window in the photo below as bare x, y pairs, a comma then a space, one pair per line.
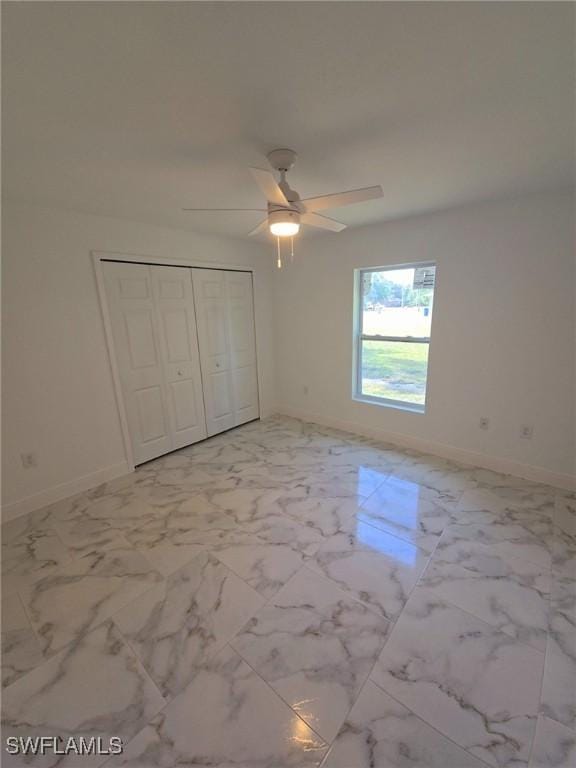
393, 324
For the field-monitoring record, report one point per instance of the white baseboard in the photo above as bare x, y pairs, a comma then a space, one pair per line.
63, 491
495, 463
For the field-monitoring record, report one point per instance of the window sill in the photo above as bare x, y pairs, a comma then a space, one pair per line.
397, 404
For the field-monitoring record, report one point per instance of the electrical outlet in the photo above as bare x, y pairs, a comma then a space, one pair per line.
29, 460
484, 422
526, 431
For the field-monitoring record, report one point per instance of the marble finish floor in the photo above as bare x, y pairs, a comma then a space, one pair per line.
291, 595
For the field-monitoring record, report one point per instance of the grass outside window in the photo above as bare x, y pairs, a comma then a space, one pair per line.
394, 323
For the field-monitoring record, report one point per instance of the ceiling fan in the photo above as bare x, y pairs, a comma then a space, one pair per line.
285, 210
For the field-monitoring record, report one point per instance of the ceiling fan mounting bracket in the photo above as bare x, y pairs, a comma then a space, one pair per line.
282, 159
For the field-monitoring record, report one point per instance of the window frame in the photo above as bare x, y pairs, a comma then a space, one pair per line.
359, 337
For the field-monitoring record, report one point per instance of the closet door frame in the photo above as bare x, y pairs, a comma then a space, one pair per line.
130, 258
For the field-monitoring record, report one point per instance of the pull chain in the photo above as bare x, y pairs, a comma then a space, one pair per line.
292, 250
279, 262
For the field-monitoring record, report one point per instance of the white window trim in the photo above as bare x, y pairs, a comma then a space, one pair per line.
359, 337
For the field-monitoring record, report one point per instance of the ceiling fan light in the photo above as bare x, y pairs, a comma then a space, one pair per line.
284, 228
284, 223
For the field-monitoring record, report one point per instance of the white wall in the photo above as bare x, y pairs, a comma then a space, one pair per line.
502, 346
502, 337
58, 397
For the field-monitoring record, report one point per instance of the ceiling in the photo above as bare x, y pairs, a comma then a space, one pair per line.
139, 109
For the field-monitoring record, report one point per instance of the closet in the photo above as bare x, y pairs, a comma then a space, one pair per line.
227, 347
185, 352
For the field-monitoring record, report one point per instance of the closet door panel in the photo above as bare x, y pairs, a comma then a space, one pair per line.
214, 343
134, 327
242, 346
174, 299
140, 336
150, 409
186, 409
245, 385
221, 400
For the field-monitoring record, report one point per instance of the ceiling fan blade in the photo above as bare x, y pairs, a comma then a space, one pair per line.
269, 187
341, 199
323, 222
260, 228
224, 209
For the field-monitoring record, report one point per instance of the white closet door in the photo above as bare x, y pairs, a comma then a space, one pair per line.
172, 287
134, 326
225, 315
242, 346
213, 337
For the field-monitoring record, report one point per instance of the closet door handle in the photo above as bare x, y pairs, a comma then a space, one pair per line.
179, 372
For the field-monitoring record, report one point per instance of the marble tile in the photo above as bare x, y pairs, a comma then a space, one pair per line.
507, 484
471, 682
381, 733
565, 513
375, 567
372, 456
21, 650
239, 505
285, 477
489, 478
214, 451
226, 717
184, 527
44, 518
334, 531
30, 556
160, 495
533, 520
302, 449
315, 646
508, 535
508, 593
119, 485
559, 685
459, 546
303, 457
408, 510
85, 536
516, 494
329, 484
563, 552
266, 553
562, 626
94, 688
446, 478
362, 480
180, 482
156, 483
176, 626
24, 525
197, 510
84, 592
326, 516
168, 549
123, 508
554, 746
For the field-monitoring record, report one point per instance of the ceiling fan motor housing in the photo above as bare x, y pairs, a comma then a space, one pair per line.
283, 215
